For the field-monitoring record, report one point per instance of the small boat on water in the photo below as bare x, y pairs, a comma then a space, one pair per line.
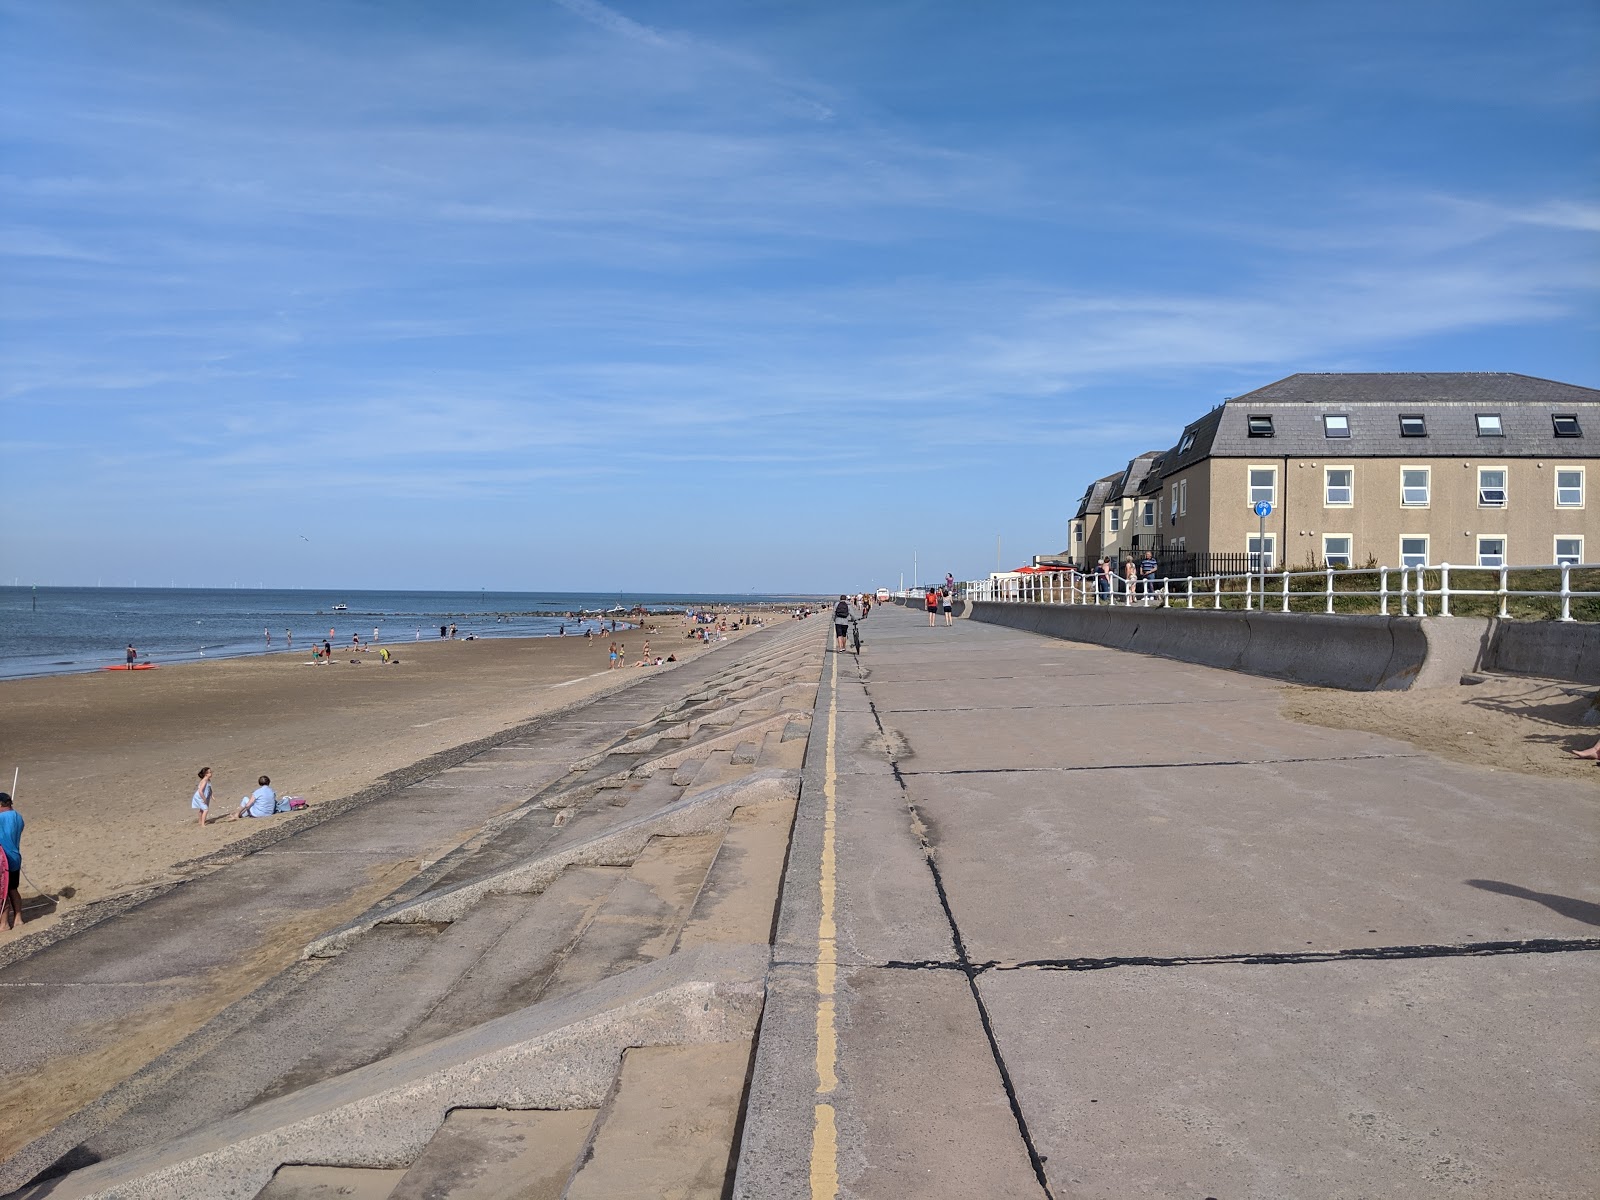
341, 608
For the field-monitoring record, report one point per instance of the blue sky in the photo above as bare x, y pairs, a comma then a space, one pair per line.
733, 295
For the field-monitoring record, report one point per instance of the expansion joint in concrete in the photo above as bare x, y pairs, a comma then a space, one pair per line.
1150, 766
1260, 959
964, 965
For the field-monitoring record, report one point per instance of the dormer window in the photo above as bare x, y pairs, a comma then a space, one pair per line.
1412, 425
1260, 425
1186, 444
1336, 426
1489, 425
1566, 424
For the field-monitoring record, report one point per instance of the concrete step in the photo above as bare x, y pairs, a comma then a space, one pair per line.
558, 1054
642, 917
331, 1183
668, 1128
687, 772
514, 971
780, 751
717, 769
619, 844
739, 900
745, 754
497, 1154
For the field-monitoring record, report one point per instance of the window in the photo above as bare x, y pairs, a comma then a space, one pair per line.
1077, 533
1492, 551
1569, 487
1566, 424
1412, 425
1569, 550
1414, 486
1339, 487
1174, 504
1491, 487
1335, 426
1260, 425
1489, 425
1263, 552
1113, 519
1183, 496
1414, 551
1186, 444
1336, 549
1147, 514
1263, 486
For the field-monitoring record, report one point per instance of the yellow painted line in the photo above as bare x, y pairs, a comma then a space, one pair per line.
824, 1131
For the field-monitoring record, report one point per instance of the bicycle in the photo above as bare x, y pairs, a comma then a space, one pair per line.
855, 635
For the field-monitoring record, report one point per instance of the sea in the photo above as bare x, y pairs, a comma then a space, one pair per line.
57, 631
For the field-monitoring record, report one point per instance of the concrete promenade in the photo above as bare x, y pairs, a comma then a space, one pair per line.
1064, 921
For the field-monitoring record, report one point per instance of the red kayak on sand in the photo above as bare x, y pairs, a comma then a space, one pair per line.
130, 667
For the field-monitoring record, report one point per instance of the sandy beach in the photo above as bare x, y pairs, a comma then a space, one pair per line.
108, 760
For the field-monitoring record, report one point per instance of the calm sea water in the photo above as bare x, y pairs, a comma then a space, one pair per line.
59, 630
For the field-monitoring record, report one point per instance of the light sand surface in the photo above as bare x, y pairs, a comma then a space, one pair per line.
109, 760
1511, 724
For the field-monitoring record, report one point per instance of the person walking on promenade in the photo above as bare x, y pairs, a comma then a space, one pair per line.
1130, 578
202, 795
932, 601
1147, 575
11, 851
841, 622
945, 603
1102, 573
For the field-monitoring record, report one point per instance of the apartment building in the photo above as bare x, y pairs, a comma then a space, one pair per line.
1087, 536
1467, 468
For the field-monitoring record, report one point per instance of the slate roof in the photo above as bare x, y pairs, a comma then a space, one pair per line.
1204, 431
1094, 500
1127, 483
1449, 403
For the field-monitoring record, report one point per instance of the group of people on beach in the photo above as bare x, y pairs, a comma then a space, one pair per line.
263, 802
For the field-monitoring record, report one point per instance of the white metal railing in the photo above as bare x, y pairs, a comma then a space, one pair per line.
1407, 588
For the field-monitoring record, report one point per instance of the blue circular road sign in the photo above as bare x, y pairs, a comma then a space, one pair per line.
1263, 508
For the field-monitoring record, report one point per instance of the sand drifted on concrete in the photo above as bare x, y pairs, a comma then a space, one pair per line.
108, 760
1506, 723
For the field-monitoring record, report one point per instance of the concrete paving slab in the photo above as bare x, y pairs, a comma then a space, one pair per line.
497, 1154
1230, 860
1440, 1079
330, 1183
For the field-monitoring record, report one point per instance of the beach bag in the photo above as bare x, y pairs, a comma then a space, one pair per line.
290, 804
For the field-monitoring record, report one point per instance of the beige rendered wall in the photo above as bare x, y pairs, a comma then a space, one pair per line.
1376, 520
1195, 525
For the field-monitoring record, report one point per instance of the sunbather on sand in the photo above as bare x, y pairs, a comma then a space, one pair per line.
1593, 752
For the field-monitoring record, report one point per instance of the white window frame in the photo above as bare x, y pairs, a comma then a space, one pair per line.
1568, 537
1186, 443
1427, 501
1327, 487
1113, 518
1252, 549
1349, 554
1250, 486
1183, 497
1147, 514
1327, 430
1499, 425
1582, 486
1427, 548
1502, 556
1505, 487
1077, 533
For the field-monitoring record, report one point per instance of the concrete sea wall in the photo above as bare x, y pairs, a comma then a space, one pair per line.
1355, 653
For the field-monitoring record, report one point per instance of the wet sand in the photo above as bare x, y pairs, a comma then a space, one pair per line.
109, 760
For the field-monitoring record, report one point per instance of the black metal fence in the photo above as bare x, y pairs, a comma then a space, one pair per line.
1176, 564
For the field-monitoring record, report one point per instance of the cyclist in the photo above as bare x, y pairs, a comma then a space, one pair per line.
841, 622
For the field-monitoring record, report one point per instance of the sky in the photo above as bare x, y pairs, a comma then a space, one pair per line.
737, 294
